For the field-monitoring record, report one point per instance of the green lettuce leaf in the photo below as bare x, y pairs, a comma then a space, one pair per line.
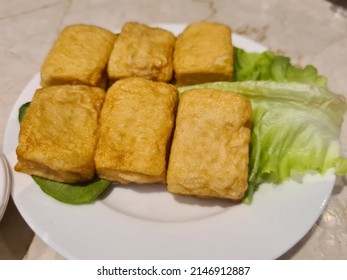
296, 127
22, 111
267, 66
72, 193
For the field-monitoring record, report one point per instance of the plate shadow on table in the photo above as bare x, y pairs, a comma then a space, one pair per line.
340, 183
15, 234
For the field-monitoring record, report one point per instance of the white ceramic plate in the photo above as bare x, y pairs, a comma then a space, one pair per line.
146, 222
4, 186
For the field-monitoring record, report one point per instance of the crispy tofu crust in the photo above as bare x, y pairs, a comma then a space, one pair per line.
58, 133
79, 56
203, 53
142, 51
210, 148
135, 130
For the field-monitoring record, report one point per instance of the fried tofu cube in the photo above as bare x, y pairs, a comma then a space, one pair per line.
142, 51
58, 133
203, 53
79, 56
210, 148
135, 131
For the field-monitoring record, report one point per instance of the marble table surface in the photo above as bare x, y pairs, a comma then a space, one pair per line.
309, 31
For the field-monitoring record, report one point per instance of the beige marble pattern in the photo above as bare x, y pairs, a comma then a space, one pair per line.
309, 31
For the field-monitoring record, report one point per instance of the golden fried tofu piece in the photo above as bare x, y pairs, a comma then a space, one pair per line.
135, 130
210, 147
58, 133
142, 51
203, 53
79, 56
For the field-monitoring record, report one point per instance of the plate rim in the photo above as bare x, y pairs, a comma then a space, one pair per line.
5, 186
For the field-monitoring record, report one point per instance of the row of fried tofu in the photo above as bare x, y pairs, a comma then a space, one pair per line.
94, 56
139, 131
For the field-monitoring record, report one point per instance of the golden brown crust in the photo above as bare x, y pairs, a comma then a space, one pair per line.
135, 127
142, 51
58, 133
79, 56
210, 148
203, 53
